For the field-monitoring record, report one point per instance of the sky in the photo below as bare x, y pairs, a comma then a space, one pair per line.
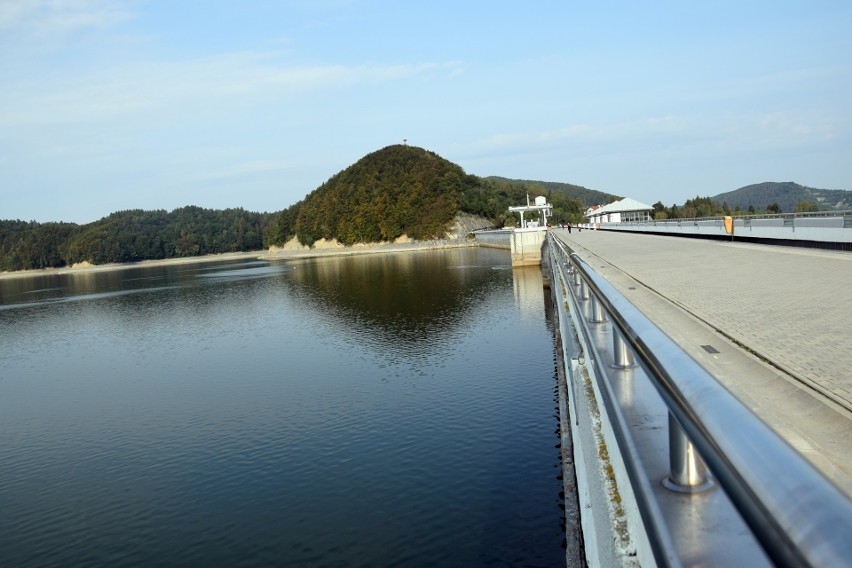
109, 105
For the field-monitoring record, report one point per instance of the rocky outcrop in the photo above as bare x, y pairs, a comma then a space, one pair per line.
465, 223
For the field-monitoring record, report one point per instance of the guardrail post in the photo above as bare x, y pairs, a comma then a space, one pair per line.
687, 472
584, 291
596, 312
621, 353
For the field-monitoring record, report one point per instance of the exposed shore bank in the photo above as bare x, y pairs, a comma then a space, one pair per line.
334, 249
272, 254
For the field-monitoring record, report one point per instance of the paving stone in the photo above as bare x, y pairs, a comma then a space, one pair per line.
792, 307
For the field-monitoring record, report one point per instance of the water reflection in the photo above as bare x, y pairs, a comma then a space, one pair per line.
370, 411
406, 298
527, 285
48, 285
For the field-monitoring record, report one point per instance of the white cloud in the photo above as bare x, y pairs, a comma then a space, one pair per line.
247, 168
583, 137
45, 18
103, 94
752, 131
798, 126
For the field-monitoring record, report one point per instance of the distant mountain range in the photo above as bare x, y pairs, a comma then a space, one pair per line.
584, 194
786, 194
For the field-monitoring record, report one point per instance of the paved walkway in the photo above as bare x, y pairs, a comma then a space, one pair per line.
790, 306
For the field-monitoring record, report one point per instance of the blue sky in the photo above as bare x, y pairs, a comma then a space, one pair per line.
108, 105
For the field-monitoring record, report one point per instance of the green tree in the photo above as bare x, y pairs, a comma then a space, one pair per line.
128, 236
394, 191
805, 206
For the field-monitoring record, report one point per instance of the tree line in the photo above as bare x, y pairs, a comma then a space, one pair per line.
699, 207
128, 236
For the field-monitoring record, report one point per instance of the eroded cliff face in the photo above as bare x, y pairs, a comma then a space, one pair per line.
464, 223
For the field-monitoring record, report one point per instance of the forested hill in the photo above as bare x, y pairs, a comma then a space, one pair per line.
584, 194
398, 190
404, 190
787, 195
391, 192
128, 236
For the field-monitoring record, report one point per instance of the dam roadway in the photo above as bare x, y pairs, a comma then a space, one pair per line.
771, 324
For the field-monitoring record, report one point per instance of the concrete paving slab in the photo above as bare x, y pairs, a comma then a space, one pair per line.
779, 317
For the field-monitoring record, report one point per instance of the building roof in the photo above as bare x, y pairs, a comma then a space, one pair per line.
626, 204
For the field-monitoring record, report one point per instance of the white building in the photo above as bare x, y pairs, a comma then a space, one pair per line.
622, 211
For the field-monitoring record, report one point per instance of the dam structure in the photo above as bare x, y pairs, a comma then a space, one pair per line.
705, 400
526, 241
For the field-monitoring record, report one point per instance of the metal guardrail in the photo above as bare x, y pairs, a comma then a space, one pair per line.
823, 229
797, 515
800, 215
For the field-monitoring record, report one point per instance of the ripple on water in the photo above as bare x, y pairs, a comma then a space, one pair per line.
251, 421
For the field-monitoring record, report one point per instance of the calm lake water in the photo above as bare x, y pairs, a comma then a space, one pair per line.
383, 410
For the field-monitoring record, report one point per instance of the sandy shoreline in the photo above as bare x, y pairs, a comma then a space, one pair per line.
280, 254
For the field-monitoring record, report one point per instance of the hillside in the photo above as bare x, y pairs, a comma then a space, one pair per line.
128, 236
786, 194
402, 190
398, 190
585, 195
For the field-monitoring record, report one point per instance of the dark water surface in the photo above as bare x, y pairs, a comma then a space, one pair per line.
387, 410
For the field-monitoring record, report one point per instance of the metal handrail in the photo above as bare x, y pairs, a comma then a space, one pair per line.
798, 215
799, 517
